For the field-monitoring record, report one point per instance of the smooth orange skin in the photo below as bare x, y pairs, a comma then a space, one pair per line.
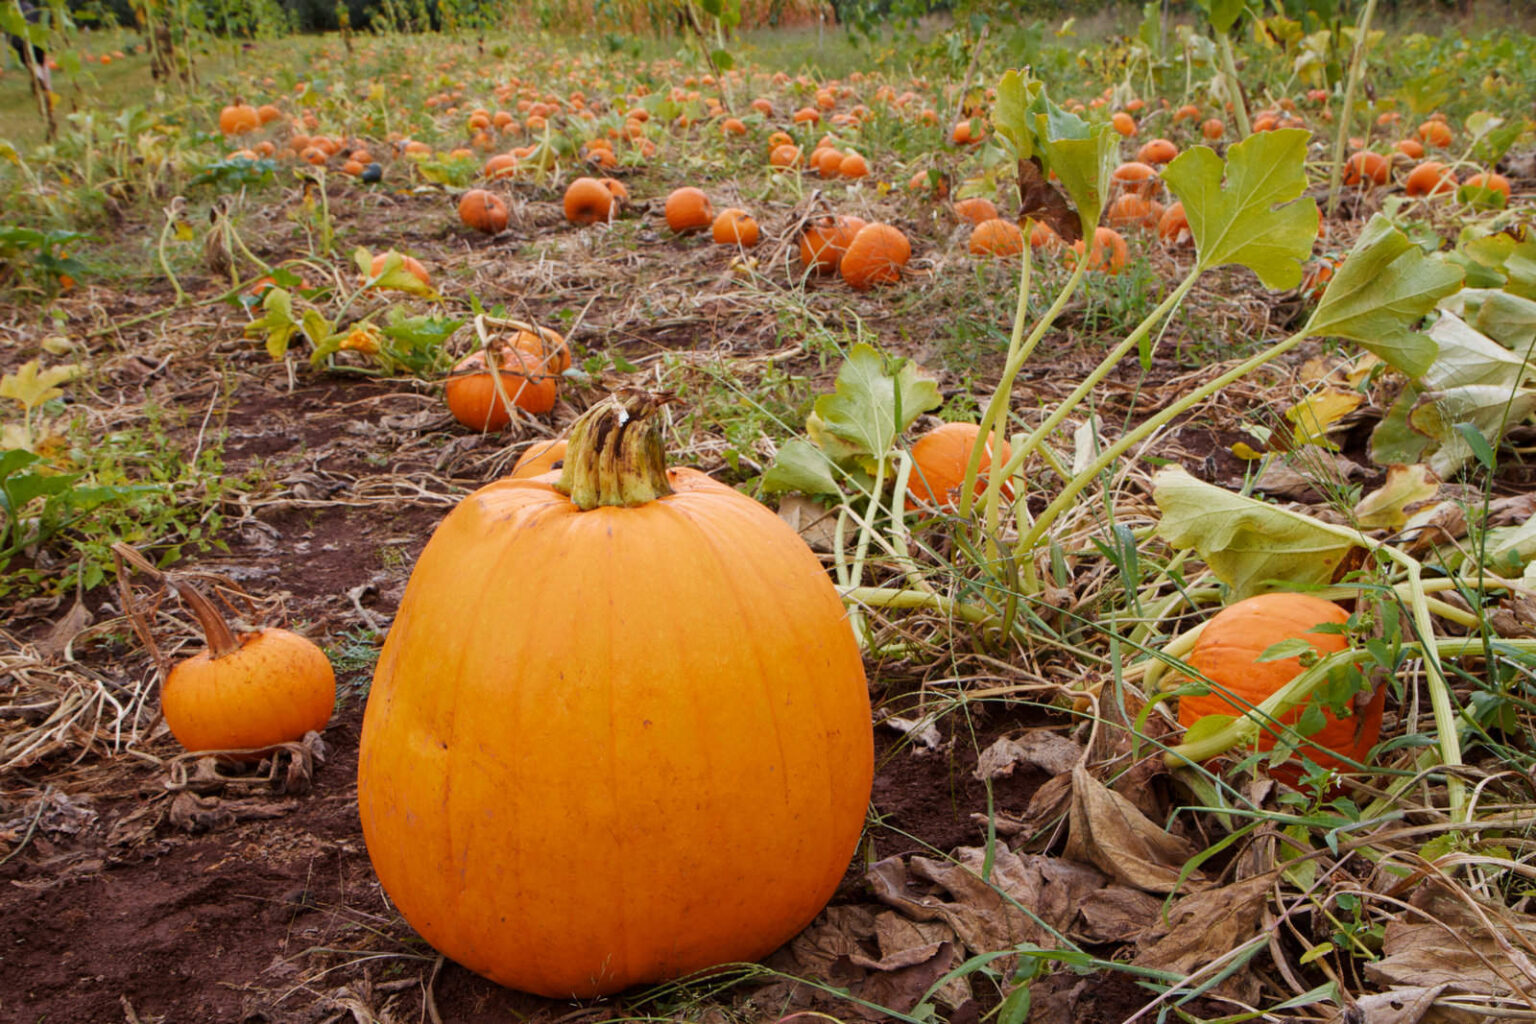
735, 227
1132, 211
483, 211
996, 237
587, 201
539, 458
1213, 129
688, 209
472, 396
409, 264
939, 459
1109, 251
1124, 123
657, 760
239, 118
825, 240
1156, 151
1173, 226
875, 256
1365, 166
274, 689
976, 209
1226, 653
1491, 181
1136, 177
1428, 179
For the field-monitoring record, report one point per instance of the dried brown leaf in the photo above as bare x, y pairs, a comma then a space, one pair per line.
1035, 748
1413, 1004
1116, 913
1039, 199
1109, 832
1027, 898
1205, 927
58, 638
1469, 945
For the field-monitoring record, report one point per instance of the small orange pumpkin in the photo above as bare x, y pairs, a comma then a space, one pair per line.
1227, 653
248, 692
875, 256
588, 201
939, 459
996, 237
825, 240
688, 209
471, 389
483, 211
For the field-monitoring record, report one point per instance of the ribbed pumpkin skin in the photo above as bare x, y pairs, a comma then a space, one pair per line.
939, 459
274, 689
1227, 653
612, 747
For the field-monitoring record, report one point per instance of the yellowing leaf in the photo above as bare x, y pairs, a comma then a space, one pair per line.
1247, 543
1380, 292
1245, 451
32, 387
1384, 508
1243, 221
1313, 415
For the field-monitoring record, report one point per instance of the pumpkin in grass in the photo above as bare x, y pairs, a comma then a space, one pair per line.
688, 209
825, 240
588, 201
656, 761
246, 692
1227, 653
483, 211
473, 398
996, 237
544, 344
939, 459
875, 256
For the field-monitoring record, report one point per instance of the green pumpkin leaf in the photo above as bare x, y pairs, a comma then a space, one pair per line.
1246, 543
1083, 156
875, 400
800, 466
277, 321
1383, 289
1222, 14
1244, 221
1508, 319
1017, 93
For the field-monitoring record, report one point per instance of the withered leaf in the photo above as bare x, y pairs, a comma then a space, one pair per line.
1109, 832
1026, 898
1116, 913
1450, 943
1205, 926
1039, 199
1407, 1005
1037, 748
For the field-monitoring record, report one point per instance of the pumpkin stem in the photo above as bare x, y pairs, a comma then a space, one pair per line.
221, 639
615, 455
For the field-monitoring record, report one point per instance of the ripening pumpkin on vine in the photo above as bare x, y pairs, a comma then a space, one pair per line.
657, 760
1228, 653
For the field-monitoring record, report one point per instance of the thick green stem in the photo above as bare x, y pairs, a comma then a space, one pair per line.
1229, 68
616, 456
1356, 72
1018, 351
1068, 404
1075, 486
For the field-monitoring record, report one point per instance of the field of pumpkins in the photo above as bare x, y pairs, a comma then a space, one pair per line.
740, 511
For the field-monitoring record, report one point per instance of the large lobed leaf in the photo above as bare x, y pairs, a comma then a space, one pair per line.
1383, 289
1253, 219
1247, 543
872, 405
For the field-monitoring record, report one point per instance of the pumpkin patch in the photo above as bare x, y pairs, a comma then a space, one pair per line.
766, 510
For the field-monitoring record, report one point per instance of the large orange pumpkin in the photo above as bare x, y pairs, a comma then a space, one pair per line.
1227, 653
655, 760
471, 389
